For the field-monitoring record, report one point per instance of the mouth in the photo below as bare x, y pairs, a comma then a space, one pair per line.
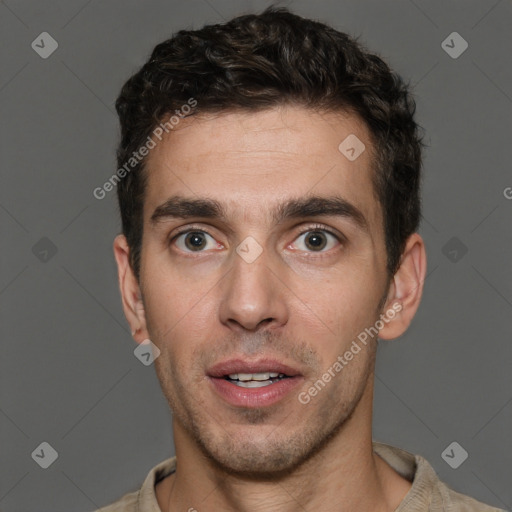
255, 380
253, 383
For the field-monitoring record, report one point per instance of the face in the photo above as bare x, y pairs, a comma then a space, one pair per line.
265, 266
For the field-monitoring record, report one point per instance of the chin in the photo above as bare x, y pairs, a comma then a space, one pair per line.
251, 462
260, 452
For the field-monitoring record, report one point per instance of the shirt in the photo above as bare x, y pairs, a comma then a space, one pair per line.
427, 493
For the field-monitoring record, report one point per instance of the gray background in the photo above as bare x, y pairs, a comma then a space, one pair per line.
68, 373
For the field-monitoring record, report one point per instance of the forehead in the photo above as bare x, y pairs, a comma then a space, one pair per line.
251, 162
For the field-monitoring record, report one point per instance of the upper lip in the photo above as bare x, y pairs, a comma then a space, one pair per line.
245, 366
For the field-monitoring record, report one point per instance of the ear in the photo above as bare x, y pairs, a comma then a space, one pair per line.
130, 291
405, 290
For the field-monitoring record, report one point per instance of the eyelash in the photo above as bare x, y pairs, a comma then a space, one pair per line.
313, 228
189, 229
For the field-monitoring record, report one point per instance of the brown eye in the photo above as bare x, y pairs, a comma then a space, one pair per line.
316, 241
195, 241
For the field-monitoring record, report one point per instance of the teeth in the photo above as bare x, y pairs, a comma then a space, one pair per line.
245, 377
253, 383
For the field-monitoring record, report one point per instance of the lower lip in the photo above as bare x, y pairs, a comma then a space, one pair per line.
254, 397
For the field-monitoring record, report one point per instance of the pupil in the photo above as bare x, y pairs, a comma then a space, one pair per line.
316, 240
195, 240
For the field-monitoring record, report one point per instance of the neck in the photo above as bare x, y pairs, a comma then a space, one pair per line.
345, 475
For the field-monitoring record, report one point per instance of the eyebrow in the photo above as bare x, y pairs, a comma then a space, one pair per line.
179, 207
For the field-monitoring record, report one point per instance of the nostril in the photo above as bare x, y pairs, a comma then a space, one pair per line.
265, 322
245, 326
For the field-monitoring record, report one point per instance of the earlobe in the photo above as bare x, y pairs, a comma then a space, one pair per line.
406, 288
130, 291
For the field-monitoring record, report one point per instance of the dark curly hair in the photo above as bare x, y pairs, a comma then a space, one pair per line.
259, 61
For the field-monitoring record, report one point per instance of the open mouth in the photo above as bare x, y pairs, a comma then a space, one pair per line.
246, 383
255, 380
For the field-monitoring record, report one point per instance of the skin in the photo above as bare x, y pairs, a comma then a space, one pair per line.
295, 303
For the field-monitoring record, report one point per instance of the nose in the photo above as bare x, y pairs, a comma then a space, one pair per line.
253, 296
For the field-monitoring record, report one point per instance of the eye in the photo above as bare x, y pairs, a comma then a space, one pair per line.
195, 241
316, 240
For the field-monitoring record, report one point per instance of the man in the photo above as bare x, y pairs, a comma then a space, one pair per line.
269, 173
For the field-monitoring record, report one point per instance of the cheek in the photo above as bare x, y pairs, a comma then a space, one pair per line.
176, 300
344, 302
